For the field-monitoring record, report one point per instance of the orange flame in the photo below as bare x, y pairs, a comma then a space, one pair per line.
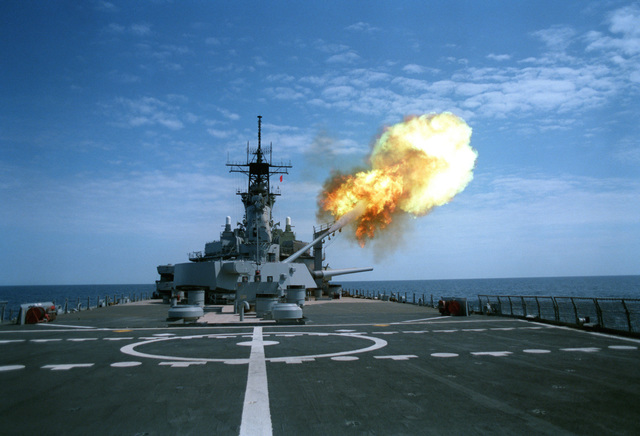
416, 165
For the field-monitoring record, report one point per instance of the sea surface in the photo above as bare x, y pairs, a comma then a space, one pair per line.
604, 286
70, 294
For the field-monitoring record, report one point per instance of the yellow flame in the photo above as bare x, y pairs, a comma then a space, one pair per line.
416, 165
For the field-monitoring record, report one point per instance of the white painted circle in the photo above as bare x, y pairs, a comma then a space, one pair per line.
125, 364
131, 348
11, 367
536, 351
444, 354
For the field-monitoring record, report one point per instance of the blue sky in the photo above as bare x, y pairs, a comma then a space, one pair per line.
118, 118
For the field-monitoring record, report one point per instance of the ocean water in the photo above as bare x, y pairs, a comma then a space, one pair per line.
605, 286
602, 286
17, 295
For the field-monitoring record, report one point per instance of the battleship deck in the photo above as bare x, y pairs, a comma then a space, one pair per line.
355, 367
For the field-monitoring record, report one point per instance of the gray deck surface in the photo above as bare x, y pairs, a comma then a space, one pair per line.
356, 367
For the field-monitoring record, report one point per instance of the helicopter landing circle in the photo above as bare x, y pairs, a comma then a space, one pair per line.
134, 349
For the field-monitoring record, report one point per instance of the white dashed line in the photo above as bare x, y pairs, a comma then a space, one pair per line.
623, 347
125, 364
67, 367
182, 364
345, 358
492, 353
444, 354
11, 367
397, 357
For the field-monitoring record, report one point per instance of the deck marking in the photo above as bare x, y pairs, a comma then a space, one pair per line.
256, 415
603, 335
68, 366
131, 349
345, 358
582, 350
44, 340
445, 331
181, 364
536, 351
264, 343
68, 326
474, 330
623, 347
421, 319
444, 354
119, 339
125, 364
9, 341
492, 353
11, 367
292, 360
81, 339
397, 357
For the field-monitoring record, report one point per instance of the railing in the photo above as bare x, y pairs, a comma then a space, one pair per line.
621, 314
68, 306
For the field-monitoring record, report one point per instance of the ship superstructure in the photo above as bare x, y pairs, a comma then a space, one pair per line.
257, 256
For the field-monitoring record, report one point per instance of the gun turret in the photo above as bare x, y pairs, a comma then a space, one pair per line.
327, 273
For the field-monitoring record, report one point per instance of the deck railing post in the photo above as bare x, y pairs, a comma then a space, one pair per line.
598, 312
575, 311
556, 309
628, 314
524, 307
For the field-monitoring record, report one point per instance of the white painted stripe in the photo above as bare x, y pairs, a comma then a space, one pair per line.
602, 335
11, 367
623, 347
182, 364
67, 367
10, 341
582, 350
125, 364
67, 326
38, 341
256, 415
81, 339
492, 353
397, 357
444, 354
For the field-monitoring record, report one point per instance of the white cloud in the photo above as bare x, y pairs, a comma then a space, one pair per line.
501, 57
148, 111
363, 27
556, 38
349, 57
